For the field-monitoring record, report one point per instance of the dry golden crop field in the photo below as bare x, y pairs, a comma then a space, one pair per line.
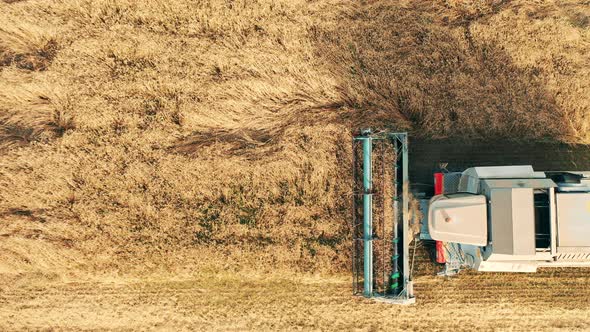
546, 301
185, 164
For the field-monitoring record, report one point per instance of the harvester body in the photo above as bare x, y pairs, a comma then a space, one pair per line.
512, 218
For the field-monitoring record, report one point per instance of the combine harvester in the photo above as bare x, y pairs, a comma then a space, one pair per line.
496, 219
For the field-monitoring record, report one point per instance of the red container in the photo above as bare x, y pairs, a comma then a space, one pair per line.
438, 190
438, 183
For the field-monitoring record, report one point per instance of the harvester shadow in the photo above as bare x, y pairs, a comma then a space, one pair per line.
418, 67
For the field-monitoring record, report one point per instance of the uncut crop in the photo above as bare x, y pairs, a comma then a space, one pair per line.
218, 132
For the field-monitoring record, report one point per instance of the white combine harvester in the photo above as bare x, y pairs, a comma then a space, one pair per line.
511, 219
501, 218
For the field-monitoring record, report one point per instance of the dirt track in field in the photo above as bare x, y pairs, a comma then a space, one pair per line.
426, 155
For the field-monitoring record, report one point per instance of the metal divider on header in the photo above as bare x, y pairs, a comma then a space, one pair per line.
381, 217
